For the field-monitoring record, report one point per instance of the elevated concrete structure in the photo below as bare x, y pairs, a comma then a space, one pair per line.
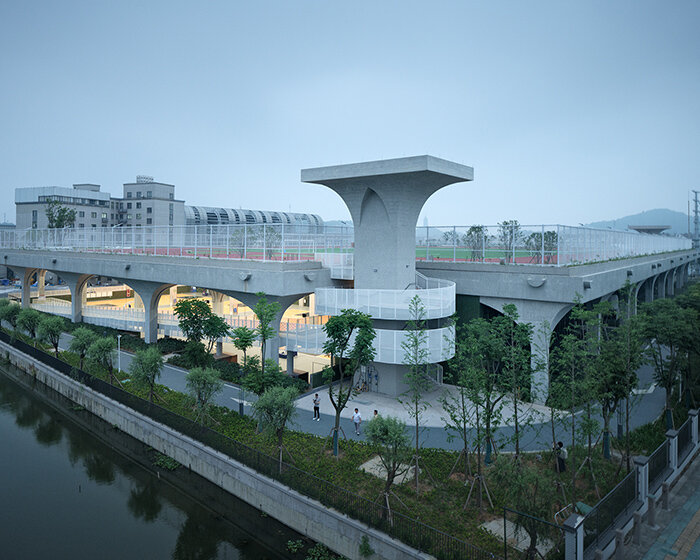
385, 199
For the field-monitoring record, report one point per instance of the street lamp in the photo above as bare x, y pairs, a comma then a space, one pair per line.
119, 352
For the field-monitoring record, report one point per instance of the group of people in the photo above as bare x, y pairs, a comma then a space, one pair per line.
356, 416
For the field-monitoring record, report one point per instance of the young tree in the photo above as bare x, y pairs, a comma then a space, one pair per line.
387, 436
415, 348
348, 355
202, 385
10, 312
275, 408
50, 330
475, 239
667, 328
102, 353
28, 320
214, 329
460, 411
192, 315
530, 490
145, 368
516, 370
258, 380
243, 338
81, 342
509, 234
60, 216
265, 312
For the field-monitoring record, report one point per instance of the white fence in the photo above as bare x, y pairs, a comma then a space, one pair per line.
553, 245
437, 297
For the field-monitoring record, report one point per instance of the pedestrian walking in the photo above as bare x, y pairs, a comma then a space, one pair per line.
357, 420
317, 409
376, 413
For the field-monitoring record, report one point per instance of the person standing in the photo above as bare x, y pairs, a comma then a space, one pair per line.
357, 420
317, 409
562, 456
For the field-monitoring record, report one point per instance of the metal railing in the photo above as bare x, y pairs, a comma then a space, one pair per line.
618, 503
406, 529
658, 466
551, 245
685, 440
437, 297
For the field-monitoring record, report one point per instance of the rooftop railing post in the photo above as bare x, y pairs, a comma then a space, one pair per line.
512, 240
282, 243
195, 241
211, 242
245, 240
542, 257
228, 238
483, 244
454, 244
264, 244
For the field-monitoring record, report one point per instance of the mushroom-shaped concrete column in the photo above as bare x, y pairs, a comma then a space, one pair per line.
385, 199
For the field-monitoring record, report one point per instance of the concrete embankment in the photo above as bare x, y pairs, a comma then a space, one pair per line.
309, 517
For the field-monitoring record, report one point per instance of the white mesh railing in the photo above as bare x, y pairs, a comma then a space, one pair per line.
554, 245
437, 297
53, 306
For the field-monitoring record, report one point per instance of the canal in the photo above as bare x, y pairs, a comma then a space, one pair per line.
72, 486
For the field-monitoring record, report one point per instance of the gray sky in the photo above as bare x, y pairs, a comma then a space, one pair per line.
568, 111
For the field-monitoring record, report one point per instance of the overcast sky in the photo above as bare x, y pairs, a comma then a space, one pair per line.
568, 111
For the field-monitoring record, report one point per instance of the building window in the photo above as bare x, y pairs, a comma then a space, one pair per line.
149, 194
138, 194
93, 214
171, 196
149, 210
128, 195
81, 214
138, 205
149, 221
128, 216
111, 216
81, 225
94, 225
138, 216
104, 215
128, 205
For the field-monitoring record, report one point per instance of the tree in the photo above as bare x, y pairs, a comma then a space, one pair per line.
202, 385
691, 373
60, 216
81, 342
535, 246
348, 355
667, 328
102, 353
258, 380
265, 312
475, 239
28, 320
243, 338
387, 436
509, 234
192, 315
459, 408
145, 368
214, 329
50, 330
516, 371
530, 490
273, 410
416, 356
9, 313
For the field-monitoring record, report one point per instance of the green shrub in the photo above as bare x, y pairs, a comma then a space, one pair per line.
168, 345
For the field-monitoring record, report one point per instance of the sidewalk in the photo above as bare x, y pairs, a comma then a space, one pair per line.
678, 535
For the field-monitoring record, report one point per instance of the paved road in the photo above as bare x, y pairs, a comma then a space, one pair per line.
649, 404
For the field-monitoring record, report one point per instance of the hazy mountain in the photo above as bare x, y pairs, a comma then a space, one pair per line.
657, 217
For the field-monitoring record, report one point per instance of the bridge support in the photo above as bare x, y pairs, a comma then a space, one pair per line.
76, 284
544, 316
217, 306
26, 275
150, 293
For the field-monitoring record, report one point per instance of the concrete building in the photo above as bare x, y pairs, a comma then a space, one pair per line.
143, 203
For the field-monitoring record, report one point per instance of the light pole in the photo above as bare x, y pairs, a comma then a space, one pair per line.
119, 352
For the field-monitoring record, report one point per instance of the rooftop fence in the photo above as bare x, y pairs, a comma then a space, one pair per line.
551, 245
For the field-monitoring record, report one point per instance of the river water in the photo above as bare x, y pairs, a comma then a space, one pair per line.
67, 493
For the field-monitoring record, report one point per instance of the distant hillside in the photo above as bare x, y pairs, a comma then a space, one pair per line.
657, 217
